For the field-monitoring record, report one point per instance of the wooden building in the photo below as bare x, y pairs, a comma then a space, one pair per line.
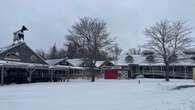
20, 64
181, 68
65, 69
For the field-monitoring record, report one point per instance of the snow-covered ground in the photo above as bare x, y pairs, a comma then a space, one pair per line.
151, 94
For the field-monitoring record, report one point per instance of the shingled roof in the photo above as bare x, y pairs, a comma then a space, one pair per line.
24, 51
61, 61
4, 49
54, 61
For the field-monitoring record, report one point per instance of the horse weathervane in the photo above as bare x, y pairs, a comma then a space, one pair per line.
19, 35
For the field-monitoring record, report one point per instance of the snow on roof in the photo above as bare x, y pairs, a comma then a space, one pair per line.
190, 50
26, 65
3, 62
185, 61
54, 61
65, 67
137, 59
141, 60
75, 62
121, 60
3, 49
99, 63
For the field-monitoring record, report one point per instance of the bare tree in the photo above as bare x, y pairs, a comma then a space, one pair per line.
62, 53
134, 51
73, 50
53, 53
180, 33
41, 53
116, 51
167, 39
90, 34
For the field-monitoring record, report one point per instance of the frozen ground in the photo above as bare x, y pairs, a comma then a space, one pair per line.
151, 94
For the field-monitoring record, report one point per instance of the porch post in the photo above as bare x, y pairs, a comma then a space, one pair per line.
152, 71
2, 75
68, 77
30, 76
185, 72
30, 70
162, 71
174, 71
64, 70
82, 72
131, 73
51, 73
142, 69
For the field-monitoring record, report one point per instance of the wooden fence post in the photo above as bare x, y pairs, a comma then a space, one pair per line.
2, 75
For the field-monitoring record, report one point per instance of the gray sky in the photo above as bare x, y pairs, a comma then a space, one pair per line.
48, 20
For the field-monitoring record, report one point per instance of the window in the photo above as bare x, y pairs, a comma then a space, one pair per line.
33, 58
13, 56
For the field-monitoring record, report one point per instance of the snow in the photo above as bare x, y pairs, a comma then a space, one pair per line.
54, 61
62, 67
150, 94
75, 62
99, 63
3, 62
183, 60
3, 49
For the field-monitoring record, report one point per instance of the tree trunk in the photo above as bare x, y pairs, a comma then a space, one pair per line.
92, 75
167, 71
93, 78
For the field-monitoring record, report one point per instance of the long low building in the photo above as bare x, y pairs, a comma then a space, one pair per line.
20, 64
149, 65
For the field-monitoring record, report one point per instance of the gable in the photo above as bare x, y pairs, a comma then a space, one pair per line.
75, 62
106, 64
21, 53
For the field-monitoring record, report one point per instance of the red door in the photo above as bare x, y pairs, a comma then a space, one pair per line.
111, 74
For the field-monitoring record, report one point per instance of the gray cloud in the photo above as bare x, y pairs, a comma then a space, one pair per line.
48, 20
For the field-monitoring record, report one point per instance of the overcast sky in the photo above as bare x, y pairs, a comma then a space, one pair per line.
48, 20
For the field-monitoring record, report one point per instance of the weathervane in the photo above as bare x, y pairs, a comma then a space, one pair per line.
19, 35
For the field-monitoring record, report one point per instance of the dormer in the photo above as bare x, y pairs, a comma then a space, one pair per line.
147, 53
